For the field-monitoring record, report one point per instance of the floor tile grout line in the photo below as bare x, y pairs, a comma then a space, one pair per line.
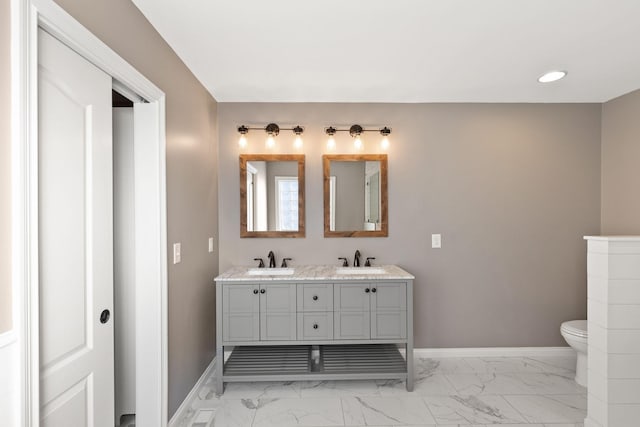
429, 409
524, 417
255, 413
453, 386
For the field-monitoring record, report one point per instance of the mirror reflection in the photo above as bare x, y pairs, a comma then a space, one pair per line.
272, 195
355, 195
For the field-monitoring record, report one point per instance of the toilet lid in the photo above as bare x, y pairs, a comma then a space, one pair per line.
575, 327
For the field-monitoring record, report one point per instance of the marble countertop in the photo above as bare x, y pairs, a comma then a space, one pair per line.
314, 272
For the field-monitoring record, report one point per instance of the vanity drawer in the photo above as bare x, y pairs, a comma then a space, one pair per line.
315, 326
315, 297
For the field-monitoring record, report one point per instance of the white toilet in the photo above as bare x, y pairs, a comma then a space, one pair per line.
575, 333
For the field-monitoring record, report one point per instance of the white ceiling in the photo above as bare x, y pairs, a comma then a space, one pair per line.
404, 50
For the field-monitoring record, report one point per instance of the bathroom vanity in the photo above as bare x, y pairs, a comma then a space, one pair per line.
314, 323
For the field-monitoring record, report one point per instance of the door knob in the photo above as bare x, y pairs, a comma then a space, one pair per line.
373, 290
104, 316
367, 290
315, 297
315, 326
255, 291
262, 291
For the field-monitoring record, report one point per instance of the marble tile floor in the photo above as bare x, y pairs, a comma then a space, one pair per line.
507, 392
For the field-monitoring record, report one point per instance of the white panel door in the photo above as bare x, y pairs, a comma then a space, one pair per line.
76, 242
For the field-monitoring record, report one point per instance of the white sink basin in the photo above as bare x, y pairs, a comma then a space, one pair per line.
363, 271
270, 271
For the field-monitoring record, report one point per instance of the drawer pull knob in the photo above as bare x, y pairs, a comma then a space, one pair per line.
373, 290
255, 291
315, 297
262, 291
367, 290
315, 326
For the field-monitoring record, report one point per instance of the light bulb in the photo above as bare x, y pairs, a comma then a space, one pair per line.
242, 142
357, 143
298, 142
271, 142
385, 142
331, 143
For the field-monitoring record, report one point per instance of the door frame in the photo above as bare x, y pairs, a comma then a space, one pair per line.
150, 192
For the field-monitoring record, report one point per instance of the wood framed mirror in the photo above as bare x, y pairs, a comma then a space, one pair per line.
355, 195
272, 195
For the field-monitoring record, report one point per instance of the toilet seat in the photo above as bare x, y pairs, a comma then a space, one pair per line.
576, 328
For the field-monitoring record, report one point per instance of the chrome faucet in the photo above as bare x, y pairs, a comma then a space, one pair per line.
272, 259
356, 259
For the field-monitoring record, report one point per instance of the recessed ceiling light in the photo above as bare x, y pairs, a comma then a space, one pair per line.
552, 76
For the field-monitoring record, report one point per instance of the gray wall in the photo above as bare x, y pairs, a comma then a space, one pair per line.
191, 181
5, 166
512, 189
621, 165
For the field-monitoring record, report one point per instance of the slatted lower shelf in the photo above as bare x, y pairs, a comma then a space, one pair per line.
267, 360
360, 361
375, 358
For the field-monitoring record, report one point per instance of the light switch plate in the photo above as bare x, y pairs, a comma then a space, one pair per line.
176, 253
436, 241
210, 244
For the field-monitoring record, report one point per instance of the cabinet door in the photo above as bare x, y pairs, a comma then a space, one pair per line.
240, 313
351, 325
351, 296
388, 297
315, 297
278, 312
388, 324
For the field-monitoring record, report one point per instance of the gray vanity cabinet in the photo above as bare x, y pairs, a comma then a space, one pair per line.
370, 311
253, 312
316, 324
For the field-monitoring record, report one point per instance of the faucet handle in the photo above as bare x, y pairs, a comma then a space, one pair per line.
368, 261
284, 262
261, 265
345, 262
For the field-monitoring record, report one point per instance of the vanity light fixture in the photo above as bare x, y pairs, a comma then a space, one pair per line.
552, 76
331, 142
272, 130
243, 130
298, 141
356, 131
385, 132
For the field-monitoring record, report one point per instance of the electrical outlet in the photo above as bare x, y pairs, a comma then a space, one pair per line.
210, 244
176, 253
436, 241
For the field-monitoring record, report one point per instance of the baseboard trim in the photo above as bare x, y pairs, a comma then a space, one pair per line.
494, 352
193, 394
